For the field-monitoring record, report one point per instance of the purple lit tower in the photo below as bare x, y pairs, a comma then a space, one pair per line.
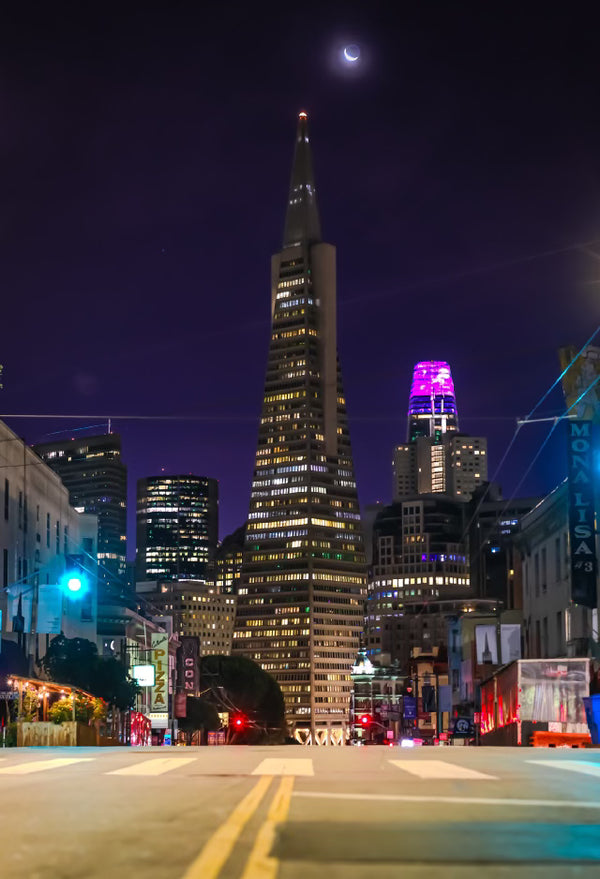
432, 405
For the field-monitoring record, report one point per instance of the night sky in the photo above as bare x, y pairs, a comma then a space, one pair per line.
145, 157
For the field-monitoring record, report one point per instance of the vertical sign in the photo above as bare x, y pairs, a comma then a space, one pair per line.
188, 669
582, 513
160, 660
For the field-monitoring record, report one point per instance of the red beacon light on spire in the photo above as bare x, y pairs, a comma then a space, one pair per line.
302, 114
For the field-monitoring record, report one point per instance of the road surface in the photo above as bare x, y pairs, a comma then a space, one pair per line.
299, 813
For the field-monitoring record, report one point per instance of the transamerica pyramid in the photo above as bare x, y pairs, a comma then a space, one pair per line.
303, 583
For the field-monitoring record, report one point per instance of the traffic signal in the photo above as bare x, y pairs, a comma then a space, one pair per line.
365, 720
74, 581
238, 722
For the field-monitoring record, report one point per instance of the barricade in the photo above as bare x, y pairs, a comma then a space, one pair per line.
544, 739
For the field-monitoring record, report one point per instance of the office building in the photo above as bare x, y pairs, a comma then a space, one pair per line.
436, 459
197, 609
92, 470
42, 537
177, 527
432, 405
228, 561
300, 602
420, 574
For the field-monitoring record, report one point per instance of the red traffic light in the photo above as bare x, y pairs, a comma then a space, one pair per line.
365, 720
239, 721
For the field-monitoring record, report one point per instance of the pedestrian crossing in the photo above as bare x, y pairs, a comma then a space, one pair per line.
584, 767
441, 769
157, 766
413, 768
42, 765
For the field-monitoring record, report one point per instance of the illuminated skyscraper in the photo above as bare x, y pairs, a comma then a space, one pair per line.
177, 527
432, 405
300, 603
92, 469
437, 459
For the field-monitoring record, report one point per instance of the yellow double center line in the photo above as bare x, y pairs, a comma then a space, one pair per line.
219, 847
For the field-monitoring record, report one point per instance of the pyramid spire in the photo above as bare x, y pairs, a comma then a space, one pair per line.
302, 222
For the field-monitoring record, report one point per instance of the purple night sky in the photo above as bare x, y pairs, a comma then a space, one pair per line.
146, 153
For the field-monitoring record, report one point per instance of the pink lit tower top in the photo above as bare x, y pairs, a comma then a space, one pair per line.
432, 405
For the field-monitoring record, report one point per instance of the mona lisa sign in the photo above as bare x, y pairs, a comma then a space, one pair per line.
582, 516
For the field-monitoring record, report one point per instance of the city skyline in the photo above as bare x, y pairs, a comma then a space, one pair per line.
142, 233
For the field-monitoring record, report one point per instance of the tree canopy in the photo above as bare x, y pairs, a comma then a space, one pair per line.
75, 661
240, 685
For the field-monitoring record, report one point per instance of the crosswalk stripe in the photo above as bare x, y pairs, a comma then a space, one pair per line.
274, 766
570, 766
439, 769
42, 765
158, 766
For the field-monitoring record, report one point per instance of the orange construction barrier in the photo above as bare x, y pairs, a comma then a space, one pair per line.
544, 739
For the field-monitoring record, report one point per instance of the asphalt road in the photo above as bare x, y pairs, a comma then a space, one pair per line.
299, 813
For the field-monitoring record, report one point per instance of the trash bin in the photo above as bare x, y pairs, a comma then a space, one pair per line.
592, 715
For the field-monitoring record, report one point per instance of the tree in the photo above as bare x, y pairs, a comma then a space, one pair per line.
71, 661
200, 714
240, 685
75, 661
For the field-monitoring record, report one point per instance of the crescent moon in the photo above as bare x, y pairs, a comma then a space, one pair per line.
350, 56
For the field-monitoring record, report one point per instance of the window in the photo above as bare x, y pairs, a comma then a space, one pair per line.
6, 498
57, 537
48, 530
559, 627
544, 571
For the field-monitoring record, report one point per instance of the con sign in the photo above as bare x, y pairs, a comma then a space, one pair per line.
582, 513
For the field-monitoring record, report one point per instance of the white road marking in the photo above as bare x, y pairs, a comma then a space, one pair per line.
570, 766
42, 765
158, 766
274, 766
440, 769
477, 801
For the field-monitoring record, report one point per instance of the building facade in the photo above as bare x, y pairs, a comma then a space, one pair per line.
432, 404
553, 624
437, 459
300, 603
42, 537
420, 573
96, 477
197, 609
228, 561
177, 527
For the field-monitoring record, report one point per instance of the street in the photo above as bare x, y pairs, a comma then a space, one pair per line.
292, 812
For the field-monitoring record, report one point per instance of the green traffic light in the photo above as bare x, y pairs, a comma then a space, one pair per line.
74, 584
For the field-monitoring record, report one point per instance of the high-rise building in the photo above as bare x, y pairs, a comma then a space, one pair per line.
197, 609
228, 561
92, 470
432, 405
42, 537
177, 527
437, 459
300, 602
420, 574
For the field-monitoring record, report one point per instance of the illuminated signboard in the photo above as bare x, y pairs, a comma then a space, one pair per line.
144, 675
160, 660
